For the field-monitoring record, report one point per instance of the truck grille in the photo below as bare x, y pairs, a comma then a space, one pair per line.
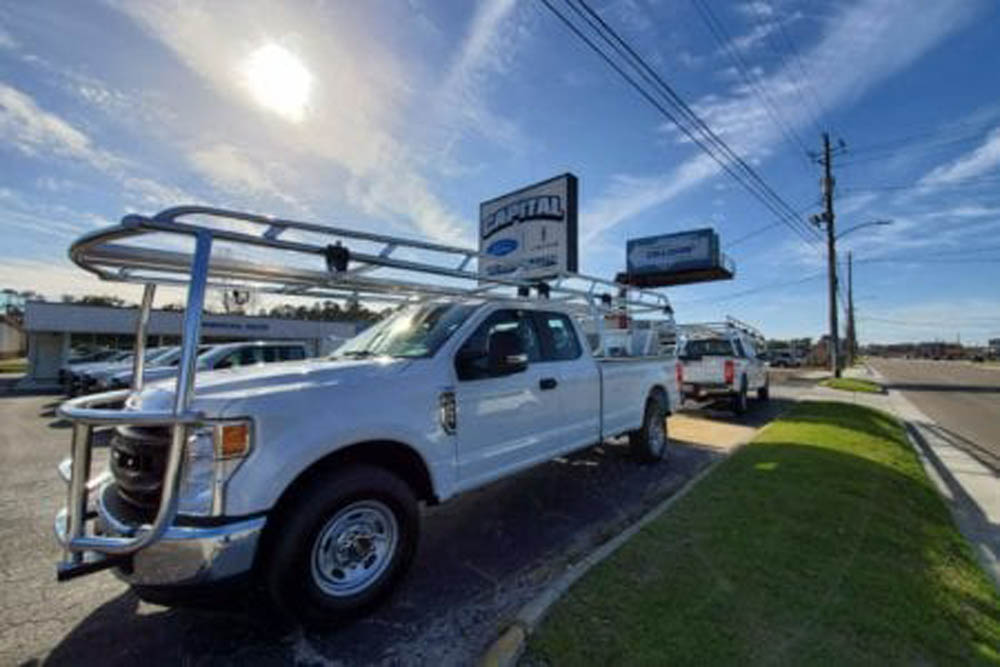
138, 459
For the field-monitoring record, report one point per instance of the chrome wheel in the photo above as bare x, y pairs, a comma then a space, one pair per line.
657, 434
354, 548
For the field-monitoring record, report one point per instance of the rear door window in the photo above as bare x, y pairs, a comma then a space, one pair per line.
559, 339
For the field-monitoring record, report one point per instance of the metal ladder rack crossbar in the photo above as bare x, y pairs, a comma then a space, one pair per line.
100, 254
721, 329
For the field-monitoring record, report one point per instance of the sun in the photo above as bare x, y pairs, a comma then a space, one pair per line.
278, 81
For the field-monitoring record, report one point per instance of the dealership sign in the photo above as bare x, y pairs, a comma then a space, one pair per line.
532, 232
684, 251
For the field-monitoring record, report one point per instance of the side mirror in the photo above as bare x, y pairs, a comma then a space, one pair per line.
225, 363
506, 353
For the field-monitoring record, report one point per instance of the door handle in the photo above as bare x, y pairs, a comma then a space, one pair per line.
547, 383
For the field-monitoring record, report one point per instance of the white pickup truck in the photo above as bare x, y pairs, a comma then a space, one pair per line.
722, 360
306, 476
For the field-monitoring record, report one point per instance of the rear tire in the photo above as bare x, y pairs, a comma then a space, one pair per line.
650, 442
340, 545
764, 393
740, 403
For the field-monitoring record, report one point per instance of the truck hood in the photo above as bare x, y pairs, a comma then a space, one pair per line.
225, 392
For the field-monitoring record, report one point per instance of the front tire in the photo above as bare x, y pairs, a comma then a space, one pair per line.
341, 544
649, 443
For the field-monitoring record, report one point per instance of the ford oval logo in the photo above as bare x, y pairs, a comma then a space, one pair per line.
502, 247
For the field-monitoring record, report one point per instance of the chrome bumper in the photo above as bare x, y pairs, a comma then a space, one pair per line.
182, 556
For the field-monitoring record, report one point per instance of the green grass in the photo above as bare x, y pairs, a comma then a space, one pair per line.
13, 365
820, 543
853, 384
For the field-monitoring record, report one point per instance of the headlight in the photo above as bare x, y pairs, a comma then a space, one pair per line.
212, 455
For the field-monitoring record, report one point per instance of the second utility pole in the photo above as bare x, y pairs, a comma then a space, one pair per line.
852, 333
831, 252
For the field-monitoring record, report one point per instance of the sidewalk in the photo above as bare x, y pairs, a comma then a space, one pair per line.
971, 490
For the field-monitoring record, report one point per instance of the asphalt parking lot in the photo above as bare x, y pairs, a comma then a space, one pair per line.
482, 556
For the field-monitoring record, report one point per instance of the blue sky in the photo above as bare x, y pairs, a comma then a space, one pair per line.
404, 115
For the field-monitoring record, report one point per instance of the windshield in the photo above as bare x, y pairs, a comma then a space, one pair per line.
414, 331
156, 354
708, 347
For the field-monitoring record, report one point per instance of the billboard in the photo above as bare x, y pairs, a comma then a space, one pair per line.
683, 251
676, 259
532, 232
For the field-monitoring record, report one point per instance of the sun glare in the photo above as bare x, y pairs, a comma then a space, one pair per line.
278, 81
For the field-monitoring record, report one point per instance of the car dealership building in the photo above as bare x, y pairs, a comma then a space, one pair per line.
54, 329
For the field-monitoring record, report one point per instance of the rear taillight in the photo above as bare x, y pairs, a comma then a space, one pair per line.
729, 369
679, 369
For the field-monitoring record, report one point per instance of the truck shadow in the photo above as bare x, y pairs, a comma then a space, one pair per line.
482, 556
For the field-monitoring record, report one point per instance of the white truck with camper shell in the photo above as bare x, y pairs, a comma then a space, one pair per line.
723, 360
306, 476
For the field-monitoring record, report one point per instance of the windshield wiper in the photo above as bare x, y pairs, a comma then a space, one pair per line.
357, 354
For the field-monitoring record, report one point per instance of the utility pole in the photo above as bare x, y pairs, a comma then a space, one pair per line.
852, 333
831, 250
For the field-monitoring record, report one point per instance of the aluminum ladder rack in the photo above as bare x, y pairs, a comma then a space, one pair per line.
286, 257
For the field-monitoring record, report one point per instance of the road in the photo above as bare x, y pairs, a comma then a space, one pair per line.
482, 556
963, 398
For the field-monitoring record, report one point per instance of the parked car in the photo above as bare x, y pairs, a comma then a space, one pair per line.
720, 360
785, 359
95, 378
214, 357
88, 357
308, 474
74, 374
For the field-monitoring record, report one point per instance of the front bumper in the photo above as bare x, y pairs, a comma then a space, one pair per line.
183, 556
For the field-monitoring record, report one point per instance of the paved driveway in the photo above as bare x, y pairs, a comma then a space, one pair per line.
482, 556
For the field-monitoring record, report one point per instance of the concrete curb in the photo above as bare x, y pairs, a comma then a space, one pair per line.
961, 505
508, 647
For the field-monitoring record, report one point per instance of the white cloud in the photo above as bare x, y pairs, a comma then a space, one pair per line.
144, 195
7, 40
230, 169
356, 128
849, 58
37, 132
977, 162
485, 53
973, 319
755, 9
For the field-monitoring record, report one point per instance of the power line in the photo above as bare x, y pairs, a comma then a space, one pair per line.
759, 230
972, 181
977, 132
967, 322
699, 132
805, 79
788, 57
781, 284
650, 75
722, 36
